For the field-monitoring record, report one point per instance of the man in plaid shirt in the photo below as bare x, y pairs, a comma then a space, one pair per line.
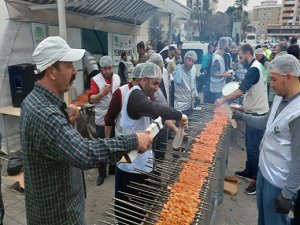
54, 152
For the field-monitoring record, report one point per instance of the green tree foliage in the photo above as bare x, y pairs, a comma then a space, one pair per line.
237, 14
241, 3
203, 17
245, 21
155, 32
234, 14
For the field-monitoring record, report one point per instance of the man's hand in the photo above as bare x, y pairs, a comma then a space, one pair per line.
282, 204
219, 102
236, 115
105, 90
134, 62
145, 141
227, 74
73, 113
184, 121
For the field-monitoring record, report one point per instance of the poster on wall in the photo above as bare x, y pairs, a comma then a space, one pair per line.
122, 43
38, 32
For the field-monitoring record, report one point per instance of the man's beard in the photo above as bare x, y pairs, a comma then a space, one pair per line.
188, 68
245, 64
108, 75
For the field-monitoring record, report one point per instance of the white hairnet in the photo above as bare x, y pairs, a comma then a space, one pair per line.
286, 64
156, 59
233, 45
229, 41
259, 51
137, 70
223, 43
150, 70
105, 61
191, 54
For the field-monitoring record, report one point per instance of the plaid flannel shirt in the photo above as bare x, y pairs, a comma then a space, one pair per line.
54, 154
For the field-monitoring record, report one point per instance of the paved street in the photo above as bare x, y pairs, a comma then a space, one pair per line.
235, 210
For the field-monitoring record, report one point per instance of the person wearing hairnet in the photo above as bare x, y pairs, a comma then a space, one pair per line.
166, 82
184, 78
54, 151
254, 90
278, 177
227, 55
137, 111
260, 57
113, 115
233, 50
162, 96
218, 74
103, 85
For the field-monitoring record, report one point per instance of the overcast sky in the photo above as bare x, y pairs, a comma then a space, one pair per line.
224, 4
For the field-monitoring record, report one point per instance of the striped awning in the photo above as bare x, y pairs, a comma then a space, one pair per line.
133, 12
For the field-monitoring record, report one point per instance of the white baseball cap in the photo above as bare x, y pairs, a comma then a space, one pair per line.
53, 49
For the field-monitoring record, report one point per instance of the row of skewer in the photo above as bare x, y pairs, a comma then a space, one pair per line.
168, 173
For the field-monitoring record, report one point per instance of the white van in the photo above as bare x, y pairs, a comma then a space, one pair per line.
199, 48
251, 39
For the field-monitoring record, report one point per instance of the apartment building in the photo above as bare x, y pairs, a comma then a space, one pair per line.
269, 12
289, 24
290, 13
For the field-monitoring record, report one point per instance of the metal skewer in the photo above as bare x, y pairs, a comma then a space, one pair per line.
102, 221
119, 217
137, 207
126, 209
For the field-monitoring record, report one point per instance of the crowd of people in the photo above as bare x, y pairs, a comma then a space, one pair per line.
270, 89
55, 154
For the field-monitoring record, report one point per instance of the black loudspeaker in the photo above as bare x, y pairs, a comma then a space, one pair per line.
21, 79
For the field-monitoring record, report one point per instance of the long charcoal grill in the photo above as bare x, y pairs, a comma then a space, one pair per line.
166, 174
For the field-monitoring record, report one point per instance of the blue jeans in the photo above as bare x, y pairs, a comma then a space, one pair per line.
1, 199
252, 142
266, 194
208, 96
188, 112
296, 220
100, 131
215, 96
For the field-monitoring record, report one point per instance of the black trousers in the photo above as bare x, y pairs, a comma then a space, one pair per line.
1, 201
297, 210
159, 144
101, 134
122, 180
